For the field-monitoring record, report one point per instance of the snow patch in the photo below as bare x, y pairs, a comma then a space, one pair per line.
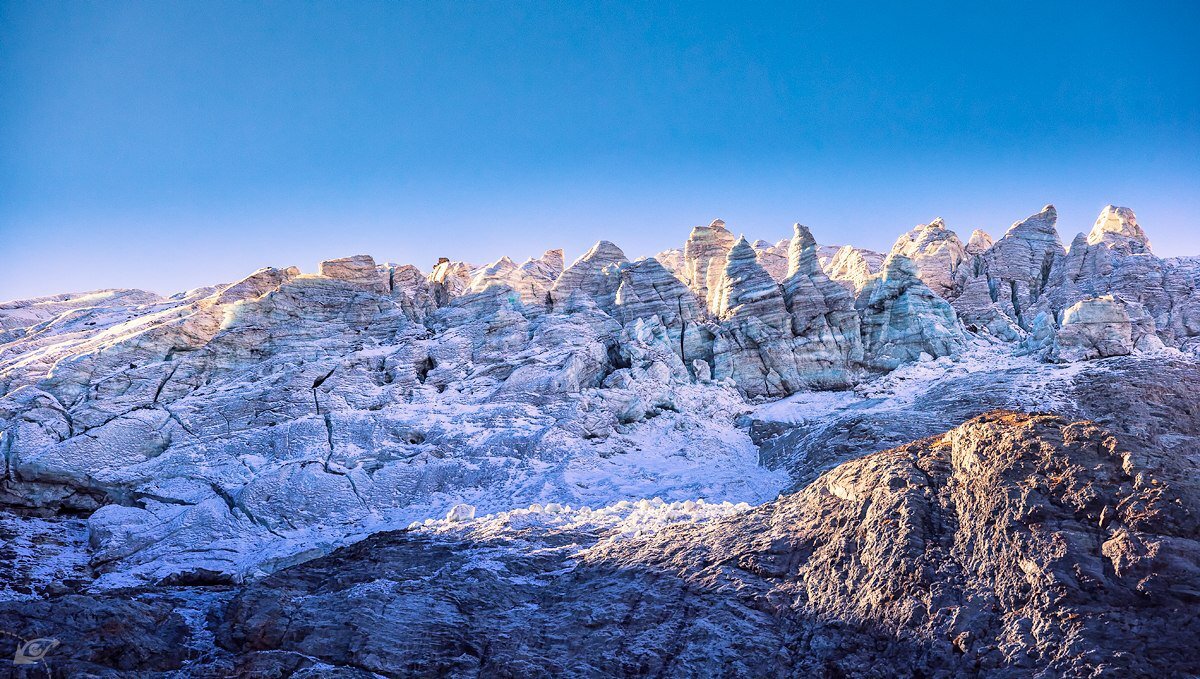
620, 521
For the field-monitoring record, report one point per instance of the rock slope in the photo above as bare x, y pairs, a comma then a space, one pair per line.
1012, 545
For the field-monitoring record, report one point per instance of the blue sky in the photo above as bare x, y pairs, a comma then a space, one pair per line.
168, 145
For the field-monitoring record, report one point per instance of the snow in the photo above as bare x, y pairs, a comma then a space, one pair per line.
461, 512
677, 459
623, 520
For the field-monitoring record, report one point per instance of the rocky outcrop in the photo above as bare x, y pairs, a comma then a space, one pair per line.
1024, 256
704, 257
548, 267
1117, 229
672, 260
359, 270
531, 280
1013, 545
212, 434
747, 290
1143, 392
257, 284
828, 345
978, 306
853, 267
101, 636
596, 274
996, 290
756, 349
239, 431
903, 319
27, 313
417, 296
1115, 259
449, 280
979, 243
649, 291
936, 252
211, 462
778, 339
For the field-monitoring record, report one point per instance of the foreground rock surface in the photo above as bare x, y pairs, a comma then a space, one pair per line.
1012, 545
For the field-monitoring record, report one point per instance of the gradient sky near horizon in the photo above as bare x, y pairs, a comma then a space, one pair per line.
168, 145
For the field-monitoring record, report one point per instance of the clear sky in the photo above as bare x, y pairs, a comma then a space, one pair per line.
167, 145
